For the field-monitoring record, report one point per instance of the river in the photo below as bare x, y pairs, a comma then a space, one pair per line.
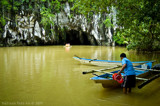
49, 76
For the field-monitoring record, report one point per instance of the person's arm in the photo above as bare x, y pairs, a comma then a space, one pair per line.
123, 67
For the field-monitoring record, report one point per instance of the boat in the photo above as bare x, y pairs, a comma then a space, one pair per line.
67, 45
107, 63
107, 81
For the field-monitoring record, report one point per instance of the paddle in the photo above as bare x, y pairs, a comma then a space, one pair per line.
101, 70
148, 81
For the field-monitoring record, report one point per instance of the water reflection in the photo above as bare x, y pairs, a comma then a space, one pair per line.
51, 76
67, 49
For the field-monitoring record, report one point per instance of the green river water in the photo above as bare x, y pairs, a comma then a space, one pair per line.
49, 76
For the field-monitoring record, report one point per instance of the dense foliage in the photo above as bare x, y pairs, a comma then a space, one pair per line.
138, 20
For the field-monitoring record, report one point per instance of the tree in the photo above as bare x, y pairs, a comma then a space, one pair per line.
138, 20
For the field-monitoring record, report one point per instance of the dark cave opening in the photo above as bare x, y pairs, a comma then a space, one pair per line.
75, 37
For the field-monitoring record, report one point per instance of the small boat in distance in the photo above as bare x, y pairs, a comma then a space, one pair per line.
107, 63
67, 45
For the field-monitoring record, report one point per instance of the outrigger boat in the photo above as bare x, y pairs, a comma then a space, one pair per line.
107, 63
107, 81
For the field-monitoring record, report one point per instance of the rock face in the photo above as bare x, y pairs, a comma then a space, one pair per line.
27, 31
67, 29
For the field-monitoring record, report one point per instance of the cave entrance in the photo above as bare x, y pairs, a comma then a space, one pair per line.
75, 37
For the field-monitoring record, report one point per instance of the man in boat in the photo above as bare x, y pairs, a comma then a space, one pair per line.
129, 74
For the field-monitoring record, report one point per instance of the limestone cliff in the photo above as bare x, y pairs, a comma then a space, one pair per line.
74, 29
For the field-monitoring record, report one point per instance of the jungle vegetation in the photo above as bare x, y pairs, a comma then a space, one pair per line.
138, 20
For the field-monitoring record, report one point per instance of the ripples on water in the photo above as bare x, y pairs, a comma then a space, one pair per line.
49, 76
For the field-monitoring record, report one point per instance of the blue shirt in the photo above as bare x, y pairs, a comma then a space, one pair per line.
129, 70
